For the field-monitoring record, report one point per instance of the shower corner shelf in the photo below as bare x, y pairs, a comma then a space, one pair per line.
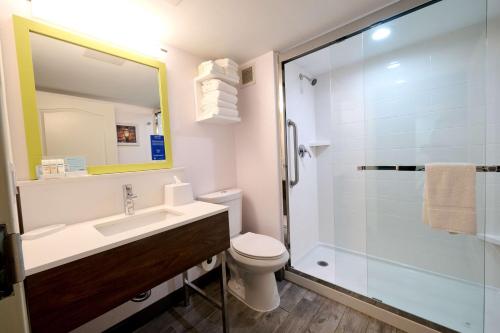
319, 143
490, 238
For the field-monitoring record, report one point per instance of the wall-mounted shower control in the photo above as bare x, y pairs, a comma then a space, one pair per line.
303, 151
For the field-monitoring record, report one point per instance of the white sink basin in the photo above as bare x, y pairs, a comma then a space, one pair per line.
131, 222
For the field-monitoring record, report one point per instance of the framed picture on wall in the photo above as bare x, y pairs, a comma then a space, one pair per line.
126, 135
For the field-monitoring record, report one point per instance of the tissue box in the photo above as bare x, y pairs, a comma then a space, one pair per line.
178, 194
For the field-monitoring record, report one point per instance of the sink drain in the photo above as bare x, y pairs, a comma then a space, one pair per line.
322, 263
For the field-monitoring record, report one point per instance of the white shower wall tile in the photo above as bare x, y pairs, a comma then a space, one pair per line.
303, 204
323, 156
436, 115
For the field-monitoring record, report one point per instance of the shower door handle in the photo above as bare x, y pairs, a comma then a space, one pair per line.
295, 180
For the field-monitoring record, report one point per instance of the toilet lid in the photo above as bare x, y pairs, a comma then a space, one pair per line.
257, 246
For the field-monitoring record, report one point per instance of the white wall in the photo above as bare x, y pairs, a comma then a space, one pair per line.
206, 151
13, 97
256, 140
75, 200
303, 197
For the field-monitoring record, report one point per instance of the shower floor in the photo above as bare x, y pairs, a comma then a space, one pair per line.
444, 300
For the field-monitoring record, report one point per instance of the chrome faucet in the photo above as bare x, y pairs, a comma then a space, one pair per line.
128, 199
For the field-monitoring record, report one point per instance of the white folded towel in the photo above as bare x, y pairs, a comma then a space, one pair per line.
215, 95
221, 111
450, 197
231, 72
233, 76
210, 67
220, 103
226, 62
214, 84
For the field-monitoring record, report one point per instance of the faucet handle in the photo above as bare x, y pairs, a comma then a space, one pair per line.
127, 190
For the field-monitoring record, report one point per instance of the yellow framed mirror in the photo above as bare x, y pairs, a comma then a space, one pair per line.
57, 67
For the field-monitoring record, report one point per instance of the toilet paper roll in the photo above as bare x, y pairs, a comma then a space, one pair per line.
209, 264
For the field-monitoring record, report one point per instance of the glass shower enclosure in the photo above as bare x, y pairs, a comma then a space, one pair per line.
364, 116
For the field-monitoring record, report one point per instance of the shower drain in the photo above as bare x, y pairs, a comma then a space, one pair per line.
322, 263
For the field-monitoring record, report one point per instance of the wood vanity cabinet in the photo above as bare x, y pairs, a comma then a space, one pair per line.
62, 298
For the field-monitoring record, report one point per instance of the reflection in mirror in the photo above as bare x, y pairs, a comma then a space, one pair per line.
96, 105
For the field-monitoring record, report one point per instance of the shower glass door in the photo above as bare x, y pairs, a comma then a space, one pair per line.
324, 111
424, 102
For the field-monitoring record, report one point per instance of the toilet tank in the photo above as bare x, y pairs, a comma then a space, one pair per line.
232, 199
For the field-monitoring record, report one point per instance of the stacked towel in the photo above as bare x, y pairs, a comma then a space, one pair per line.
211, 85
213, 96
210, 67
219, 97
450, 197
230, 68
220, 111
219, 102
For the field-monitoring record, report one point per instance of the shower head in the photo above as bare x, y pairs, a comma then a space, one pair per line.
313, 81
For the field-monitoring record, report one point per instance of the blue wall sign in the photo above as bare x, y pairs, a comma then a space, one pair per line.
157, 147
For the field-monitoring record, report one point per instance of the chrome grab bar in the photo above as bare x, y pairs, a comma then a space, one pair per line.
295, 180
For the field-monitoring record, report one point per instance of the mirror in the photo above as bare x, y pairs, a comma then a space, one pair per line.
92, 101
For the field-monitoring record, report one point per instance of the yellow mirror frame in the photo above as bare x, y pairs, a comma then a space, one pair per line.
22, 29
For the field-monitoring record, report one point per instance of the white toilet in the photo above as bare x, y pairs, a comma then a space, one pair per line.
252, 259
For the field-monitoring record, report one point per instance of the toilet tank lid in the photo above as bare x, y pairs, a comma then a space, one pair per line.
221, 196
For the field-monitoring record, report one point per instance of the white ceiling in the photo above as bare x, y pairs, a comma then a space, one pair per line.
416, 27
244, 29
63, 67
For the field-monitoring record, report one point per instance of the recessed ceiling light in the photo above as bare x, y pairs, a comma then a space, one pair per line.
393, 65
400, 81
381, 33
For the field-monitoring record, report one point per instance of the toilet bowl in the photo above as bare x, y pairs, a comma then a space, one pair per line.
252, 262
252, 258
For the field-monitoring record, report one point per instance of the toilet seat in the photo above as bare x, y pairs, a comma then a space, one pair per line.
258, 247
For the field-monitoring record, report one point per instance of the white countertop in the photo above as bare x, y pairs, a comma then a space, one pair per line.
81, 240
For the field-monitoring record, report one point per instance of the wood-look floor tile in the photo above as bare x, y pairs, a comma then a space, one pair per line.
270, 321
353, 322
300, 311
300, 316
291, 294
328, 317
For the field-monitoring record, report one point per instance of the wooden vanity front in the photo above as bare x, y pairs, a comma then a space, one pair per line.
62, 298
